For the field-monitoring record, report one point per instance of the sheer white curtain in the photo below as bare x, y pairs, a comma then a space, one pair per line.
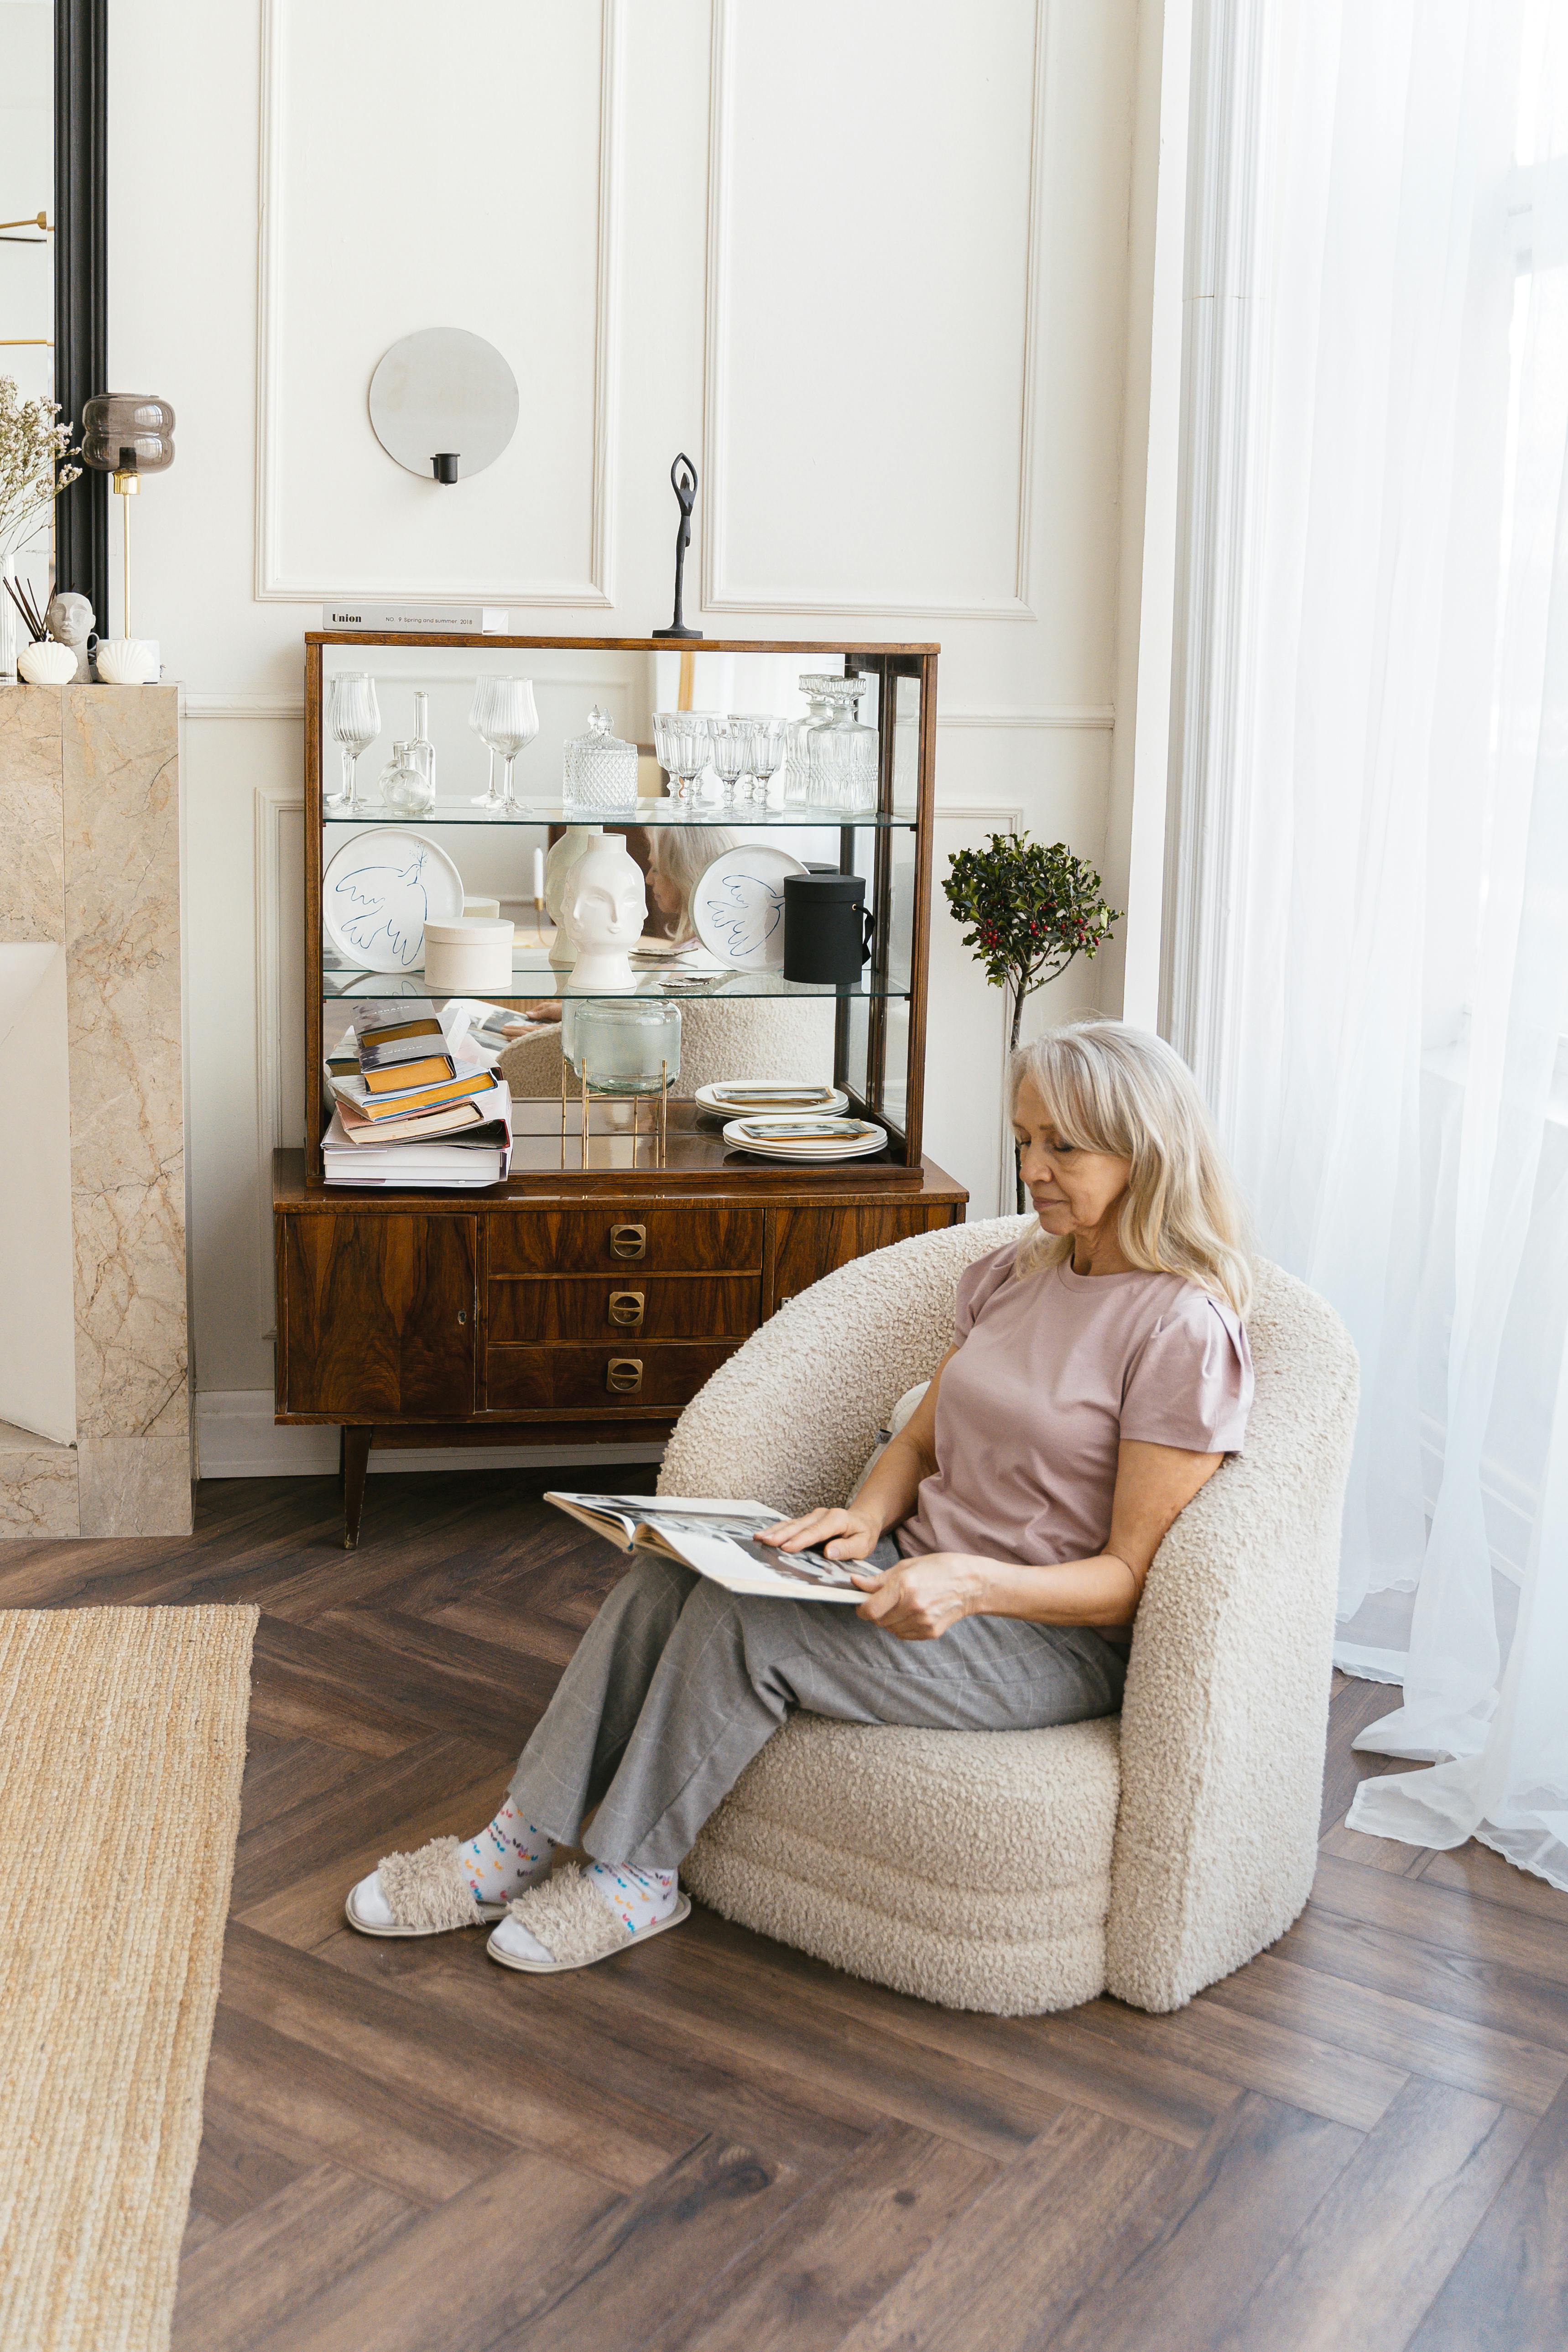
1387, 1057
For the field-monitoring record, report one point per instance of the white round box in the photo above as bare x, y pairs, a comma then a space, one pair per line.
462, 959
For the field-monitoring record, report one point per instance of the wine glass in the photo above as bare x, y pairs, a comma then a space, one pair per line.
479, 719
768, 738
353, 723
731, 751
512, 723
682, 742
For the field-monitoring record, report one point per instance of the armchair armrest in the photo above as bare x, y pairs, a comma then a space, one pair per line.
1225, 1716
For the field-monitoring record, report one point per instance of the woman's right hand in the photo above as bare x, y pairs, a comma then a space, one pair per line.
841, 1534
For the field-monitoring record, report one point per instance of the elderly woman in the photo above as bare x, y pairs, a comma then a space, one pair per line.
1099, 1376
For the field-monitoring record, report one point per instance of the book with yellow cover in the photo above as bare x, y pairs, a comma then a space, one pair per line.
410, 1101
378, 1036
397, 1077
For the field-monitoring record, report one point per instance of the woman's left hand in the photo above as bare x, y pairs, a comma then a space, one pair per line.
920, 1598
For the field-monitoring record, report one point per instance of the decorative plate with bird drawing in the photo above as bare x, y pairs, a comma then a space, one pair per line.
737, 906
380, 890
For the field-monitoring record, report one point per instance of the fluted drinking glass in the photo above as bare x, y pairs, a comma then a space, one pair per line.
353, 721
512, 723
479, 719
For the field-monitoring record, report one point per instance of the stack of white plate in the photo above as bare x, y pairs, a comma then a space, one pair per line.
804, 1135
732, 1097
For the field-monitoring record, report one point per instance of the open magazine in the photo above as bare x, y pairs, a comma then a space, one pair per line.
719, 1541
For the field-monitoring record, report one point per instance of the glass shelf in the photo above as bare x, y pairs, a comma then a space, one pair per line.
648, 811
536, 980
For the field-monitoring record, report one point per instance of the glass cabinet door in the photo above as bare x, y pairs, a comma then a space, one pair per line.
714, 842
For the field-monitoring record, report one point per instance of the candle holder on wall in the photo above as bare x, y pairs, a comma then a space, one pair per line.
443, 404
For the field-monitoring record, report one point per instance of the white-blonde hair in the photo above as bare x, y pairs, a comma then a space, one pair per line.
1107, 1087
682, 853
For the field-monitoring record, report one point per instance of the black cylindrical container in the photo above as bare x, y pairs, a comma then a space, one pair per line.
827, 931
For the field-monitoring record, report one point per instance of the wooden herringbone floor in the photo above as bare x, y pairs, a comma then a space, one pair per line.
1359, 2142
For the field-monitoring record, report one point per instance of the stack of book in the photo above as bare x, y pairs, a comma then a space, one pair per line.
411, 1110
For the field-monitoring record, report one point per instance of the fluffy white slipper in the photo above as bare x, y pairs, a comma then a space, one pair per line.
422, 1893
573, 1925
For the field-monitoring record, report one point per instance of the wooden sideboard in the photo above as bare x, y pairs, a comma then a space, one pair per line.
562, 1308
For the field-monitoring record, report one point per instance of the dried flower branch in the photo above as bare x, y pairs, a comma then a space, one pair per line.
34, 449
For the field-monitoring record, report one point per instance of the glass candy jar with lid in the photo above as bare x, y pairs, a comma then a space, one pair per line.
600, 771
405, 785
843, 754
798, 739
627, 1046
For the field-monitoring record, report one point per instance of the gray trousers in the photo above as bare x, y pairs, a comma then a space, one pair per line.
676, 1683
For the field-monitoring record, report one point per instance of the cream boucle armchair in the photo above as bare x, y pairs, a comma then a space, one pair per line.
1020, 1871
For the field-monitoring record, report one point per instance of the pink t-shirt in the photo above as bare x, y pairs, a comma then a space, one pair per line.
1052, 1373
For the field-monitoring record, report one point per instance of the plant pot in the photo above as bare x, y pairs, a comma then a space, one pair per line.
43, 662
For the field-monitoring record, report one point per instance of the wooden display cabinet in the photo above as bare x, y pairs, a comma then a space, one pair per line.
585, 1302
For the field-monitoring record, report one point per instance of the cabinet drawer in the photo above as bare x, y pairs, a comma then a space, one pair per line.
619, 1309
583, 1379
625, 1234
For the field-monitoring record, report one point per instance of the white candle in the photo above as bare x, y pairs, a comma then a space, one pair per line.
538, 873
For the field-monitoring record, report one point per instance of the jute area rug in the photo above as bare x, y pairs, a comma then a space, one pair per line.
121, 1746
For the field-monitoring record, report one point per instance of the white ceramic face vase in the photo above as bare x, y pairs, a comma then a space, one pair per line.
605, 910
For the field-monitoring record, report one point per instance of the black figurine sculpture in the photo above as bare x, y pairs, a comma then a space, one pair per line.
683, 482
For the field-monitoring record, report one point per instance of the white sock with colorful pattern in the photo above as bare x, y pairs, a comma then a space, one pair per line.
640, 1898
507, 1855
637, 1896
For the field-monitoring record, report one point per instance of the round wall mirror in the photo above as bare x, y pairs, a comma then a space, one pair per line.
444, 404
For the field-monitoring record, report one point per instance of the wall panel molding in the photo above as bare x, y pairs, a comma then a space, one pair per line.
273, 585
287, 705
718, 594
1061, 714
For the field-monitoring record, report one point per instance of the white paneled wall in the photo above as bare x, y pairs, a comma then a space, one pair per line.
867, 260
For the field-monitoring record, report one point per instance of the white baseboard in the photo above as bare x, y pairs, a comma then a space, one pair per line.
236, 1437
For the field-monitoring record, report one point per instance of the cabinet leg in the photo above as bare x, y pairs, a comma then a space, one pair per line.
354, 1453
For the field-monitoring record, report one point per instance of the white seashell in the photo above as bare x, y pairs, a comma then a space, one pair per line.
125, 661
43, 662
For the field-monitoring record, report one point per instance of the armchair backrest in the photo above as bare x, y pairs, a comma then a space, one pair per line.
793, 1416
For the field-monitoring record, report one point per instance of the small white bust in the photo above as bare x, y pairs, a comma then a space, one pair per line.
70, 622
604, 915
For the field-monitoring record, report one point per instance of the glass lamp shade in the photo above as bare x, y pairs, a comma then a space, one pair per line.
128, 433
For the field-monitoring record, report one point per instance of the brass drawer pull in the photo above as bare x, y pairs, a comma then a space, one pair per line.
624, 1374
628, 1241
625, 1306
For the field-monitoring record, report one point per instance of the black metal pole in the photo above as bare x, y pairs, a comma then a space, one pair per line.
81, 283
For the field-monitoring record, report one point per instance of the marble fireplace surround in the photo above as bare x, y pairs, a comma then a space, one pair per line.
94, 1409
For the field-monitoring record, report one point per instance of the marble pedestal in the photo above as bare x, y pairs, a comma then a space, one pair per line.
94, 1410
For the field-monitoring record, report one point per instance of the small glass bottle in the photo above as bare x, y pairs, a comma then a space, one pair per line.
797, 743
599, 771
421, 747
405, 786
843, 754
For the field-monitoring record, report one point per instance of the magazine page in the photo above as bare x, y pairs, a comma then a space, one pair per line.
728, 1551
719, 1540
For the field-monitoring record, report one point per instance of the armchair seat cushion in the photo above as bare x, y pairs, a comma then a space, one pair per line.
969, 1868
